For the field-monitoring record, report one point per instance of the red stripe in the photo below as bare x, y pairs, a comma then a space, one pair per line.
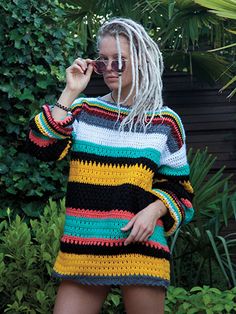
39, 141
110, 242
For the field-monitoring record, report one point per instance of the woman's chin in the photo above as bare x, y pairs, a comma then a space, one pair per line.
111, 85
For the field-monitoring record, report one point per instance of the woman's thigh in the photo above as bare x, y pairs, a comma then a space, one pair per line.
74, 298
142, 299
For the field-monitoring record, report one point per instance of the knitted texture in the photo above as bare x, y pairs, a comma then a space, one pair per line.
112, 177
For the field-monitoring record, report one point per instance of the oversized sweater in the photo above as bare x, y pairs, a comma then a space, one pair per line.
112, 177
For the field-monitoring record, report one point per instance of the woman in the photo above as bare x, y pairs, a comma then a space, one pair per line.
128, 186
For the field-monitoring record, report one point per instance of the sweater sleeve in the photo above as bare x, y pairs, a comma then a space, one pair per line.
49, 139
171, 183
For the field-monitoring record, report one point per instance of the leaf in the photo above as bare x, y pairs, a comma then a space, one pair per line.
115, 299
26, 95
19, 295
3, 168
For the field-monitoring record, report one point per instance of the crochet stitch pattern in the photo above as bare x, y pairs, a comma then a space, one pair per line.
112, 177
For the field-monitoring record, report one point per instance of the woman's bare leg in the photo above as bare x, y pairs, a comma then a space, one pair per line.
142, 299
73, 298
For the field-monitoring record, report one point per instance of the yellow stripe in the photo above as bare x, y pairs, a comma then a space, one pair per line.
108, 174
40, 127
163, 199
65, 151
115, 265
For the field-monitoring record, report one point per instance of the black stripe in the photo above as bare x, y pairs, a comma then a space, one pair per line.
175, 187
113, 160
49, 153
104, 198
114, 250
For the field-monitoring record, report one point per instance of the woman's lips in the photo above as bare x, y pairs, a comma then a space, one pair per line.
111, 78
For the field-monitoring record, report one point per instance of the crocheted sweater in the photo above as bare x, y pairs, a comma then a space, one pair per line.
112, 177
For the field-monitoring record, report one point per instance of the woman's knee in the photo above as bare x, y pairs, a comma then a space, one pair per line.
75, 298
141, 299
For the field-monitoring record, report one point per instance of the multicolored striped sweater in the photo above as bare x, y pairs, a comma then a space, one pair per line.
112, 177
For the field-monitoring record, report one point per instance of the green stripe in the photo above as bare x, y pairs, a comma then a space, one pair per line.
91, 148
108, 228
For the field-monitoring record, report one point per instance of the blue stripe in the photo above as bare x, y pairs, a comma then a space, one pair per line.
111, 124
116, 280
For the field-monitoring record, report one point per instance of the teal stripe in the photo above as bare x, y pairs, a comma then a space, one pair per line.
77, 103
189, 212
50, 131
173, 206
181, 171
88, 147
108, 228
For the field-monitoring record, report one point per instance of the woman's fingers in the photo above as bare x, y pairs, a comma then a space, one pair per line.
145, 236
75, 68
132, 235
83, 63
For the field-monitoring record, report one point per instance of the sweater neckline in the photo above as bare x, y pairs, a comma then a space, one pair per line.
127, 108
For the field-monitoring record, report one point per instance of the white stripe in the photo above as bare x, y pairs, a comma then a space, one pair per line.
175, 160
107, 137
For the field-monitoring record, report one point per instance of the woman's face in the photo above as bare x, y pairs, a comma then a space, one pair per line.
108, 51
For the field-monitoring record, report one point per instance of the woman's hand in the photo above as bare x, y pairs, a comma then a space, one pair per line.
78, 75
143, 223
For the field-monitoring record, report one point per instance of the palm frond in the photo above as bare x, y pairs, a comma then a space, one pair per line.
222, 8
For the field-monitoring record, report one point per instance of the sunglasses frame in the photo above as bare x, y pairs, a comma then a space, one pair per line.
105, 62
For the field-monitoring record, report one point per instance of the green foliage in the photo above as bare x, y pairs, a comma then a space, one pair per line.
26, 259
200, 254
36, 48
200, 300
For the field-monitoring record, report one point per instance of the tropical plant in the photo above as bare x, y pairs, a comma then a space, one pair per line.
183, 29
225, 9
199, 249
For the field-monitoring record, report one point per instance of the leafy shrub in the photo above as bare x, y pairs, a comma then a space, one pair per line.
26, 258
200, 300
36, 48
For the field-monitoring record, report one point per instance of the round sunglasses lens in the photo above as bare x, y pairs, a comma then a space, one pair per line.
115, 66
99, 67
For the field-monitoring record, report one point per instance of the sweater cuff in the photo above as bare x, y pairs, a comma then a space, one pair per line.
173, 219
45, 124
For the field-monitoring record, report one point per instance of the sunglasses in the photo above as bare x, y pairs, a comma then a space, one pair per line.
100, 66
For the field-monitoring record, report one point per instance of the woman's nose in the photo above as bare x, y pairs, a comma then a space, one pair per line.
109, 67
